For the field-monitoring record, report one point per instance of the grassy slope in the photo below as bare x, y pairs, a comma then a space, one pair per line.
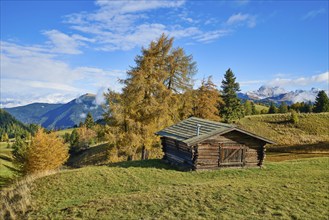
5, 157
149, 190
312, 128
5, 172
261, 107
62, 132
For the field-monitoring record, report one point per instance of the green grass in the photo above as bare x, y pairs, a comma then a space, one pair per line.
62, 132
261, 107
295, 189
95, 155
311, 129
6, 172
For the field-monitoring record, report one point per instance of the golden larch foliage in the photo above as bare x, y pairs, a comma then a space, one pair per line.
46, 152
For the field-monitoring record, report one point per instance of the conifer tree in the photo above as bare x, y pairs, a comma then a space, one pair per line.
321, 102
46, 152
254, 111
89, 122
74, 138
283, 108
232, 109
248, 105
148, 103
207, 101
20, 154
272, 109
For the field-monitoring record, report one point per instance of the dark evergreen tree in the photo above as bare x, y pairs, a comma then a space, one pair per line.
321, 102
254, 111
283, 108
308, 107
19, 154
232, 108
272, 109
89, 122
74, 138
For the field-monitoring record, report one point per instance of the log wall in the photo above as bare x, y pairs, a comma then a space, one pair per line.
209, 153
177, 152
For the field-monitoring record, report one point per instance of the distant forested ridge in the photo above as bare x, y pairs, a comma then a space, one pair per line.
11, 126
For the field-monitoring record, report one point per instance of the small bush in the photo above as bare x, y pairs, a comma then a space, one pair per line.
46, 152
294, 117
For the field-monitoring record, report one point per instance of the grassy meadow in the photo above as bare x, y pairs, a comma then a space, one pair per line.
311, 129
296, 189
6, 172
293, 184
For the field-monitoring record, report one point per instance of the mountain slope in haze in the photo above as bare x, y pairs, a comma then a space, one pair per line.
30, 114
73, 113
266, 94
9, 125
59, 116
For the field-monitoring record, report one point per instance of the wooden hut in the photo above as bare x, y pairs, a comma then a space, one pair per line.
197, 143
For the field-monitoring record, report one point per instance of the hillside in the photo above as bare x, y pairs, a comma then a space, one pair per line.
153, 190
311, 129
30, 114
9, 125
59, 116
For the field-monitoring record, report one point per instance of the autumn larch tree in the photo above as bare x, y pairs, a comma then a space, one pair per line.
232, 108
207, 101
150, 97
46, 152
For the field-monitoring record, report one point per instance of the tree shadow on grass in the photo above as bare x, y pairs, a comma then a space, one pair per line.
282, 122
152, 163
302, 148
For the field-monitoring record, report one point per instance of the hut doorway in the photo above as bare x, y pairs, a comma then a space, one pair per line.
232, 155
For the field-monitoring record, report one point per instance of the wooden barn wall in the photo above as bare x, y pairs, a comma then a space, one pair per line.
256, 152
207, 152
177, 152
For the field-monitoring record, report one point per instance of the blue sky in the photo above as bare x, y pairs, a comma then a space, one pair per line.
53, 51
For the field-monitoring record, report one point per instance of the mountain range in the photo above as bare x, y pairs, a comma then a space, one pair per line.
266, 94
61, 116
58, 116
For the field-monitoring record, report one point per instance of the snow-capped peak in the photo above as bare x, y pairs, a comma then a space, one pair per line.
266, 92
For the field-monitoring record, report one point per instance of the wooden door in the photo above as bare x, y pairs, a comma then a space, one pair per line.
232, 155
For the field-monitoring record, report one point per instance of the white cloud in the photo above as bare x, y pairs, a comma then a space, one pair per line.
251, 82
212, 35
124, 25
301, 81
100, 98
63, 43
242, 19
33, 63
31, 73
83, 115
313, 14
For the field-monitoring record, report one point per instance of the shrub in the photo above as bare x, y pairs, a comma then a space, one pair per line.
294, 117
83, 138
46, 152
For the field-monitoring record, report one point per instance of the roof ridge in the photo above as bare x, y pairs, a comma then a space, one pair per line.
214, 122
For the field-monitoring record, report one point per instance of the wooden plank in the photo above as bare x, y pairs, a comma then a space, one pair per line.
231, 163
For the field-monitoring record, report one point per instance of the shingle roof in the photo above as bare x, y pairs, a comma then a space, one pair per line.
186, 130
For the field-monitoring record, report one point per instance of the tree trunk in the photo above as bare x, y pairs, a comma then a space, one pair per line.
144, 153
